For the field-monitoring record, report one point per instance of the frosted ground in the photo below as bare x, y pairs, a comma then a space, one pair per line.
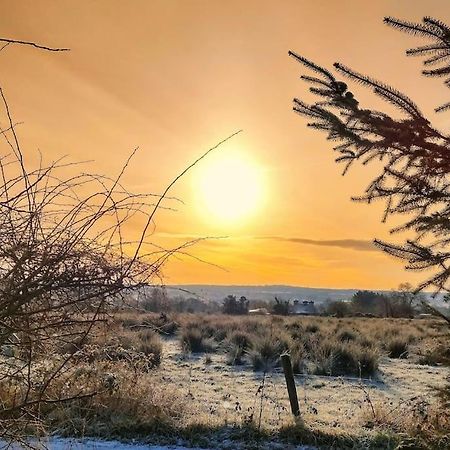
221, 393
215, 397
94, 444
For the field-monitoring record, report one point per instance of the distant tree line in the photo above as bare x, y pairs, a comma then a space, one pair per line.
159, 301
401, 303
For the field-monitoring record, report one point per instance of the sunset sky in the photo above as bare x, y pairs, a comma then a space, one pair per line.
175, 78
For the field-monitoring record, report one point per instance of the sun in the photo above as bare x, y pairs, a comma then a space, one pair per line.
229, 188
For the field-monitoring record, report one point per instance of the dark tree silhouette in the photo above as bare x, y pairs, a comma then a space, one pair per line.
233, 306
415, 155
281, 307
369, 302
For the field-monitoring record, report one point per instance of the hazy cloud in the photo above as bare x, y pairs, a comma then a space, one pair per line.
354, 244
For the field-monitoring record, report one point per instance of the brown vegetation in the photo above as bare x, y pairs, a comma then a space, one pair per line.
123, 366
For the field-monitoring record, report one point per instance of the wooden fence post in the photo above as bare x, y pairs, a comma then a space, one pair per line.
290, 383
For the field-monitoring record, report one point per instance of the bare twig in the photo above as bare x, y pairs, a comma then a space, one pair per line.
32, 44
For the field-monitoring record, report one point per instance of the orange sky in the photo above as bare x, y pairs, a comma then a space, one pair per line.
176, 77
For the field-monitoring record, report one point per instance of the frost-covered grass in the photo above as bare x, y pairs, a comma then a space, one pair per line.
319, 345
216, 382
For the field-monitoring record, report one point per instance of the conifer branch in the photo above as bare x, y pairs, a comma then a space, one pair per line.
415, 178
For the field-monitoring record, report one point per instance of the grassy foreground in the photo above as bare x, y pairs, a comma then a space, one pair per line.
149, 377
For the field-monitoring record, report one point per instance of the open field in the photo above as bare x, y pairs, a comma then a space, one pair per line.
215, 381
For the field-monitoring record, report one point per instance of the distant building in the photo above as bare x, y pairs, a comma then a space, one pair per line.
303, 308
425, 316
258, 312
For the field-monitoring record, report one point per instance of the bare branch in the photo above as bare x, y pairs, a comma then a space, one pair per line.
32, 44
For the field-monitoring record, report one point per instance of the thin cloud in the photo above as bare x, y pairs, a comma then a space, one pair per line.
353, 244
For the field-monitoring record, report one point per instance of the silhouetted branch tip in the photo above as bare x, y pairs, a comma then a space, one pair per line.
33, 44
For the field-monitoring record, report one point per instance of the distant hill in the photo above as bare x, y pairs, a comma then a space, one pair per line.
217, 293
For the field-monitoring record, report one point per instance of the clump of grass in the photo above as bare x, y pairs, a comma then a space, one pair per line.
393, 332
234, 354
438, 355
367, 362
417, 423
265, 352
312, 328
161, 323
366, 342
124, 339
241, 339
397, 348
254, 327
125, 406
192, 340
335, 358
236, 346
150, 344
298, 359
347, 335
311, 342
296, 330
220, 335
135, 360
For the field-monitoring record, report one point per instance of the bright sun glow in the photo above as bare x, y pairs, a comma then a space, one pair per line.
230, 187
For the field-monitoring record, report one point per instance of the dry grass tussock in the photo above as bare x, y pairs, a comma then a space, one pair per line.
421, 422
120, 402
109, 389
129, 404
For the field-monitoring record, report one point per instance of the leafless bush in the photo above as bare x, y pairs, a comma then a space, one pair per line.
65, 260
63, 263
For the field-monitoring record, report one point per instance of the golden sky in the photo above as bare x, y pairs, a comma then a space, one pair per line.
176, 77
